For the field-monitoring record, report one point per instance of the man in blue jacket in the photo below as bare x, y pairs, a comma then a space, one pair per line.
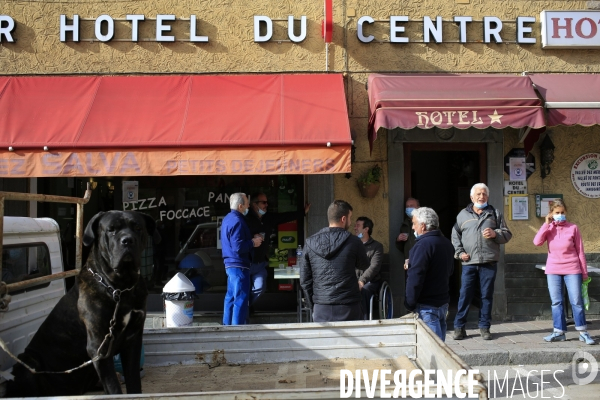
431, 262
237, 246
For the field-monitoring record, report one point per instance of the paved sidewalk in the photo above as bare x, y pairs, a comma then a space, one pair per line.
521, 343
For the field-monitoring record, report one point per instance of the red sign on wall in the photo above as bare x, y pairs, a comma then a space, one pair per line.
328, 21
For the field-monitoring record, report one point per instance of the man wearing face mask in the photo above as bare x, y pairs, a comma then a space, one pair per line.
264, 223
406, 239
369, 280
237, 246
479, 231
431, 264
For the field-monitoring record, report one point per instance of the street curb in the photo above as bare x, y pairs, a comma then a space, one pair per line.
525, 357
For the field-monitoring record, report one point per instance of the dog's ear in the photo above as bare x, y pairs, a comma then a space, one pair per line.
150, 224
90, 230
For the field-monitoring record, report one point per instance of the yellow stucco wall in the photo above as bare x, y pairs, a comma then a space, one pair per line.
229, 25
570, 143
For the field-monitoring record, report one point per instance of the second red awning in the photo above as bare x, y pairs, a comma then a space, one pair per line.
426, 101
570, 99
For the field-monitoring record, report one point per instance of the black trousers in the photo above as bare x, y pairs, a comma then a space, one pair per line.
337, 312
366, 292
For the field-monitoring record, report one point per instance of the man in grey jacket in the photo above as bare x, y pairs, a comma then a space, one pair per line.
369, 280
477, 235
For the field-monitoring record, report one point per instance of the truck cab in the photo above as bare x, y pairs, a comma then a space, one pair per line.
31, 249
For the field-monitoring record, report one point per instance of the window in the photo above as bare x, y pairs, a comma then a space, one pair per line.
23, 262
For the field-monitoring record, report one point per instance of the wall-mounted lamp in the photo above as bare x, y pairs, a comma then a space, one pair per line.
546, 155
93, 183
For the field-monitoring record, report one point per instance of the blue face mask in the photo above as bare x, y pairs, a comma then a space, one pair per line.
409, 211
416, 234
559, 217
484, 205
245, 211
360, 235
261, 212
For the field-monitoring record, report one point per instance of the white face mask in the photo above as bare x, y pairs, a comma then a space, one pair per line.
360, 235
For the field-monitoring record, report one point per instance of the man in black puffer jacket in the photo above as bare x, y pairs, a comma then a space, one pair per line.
327, 268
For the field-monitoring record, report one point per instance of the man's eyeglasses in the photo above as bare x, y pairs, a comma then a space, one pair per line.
262, 201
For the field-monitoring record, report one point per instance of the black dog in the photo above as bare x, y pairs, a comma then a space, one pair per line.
76, 330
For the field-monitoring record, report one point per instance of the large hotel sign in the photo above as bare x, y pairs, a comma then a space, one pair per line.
562, 29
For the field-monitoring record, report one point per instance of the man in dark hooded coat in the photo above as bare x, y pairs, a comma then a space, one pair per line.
327, 268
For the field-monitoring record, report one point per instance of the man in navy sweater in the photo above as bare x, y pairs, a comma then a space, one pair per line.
429, 269
237, 246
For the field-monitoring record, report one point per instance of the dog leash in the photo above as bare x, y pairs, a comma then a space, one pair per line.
116, 295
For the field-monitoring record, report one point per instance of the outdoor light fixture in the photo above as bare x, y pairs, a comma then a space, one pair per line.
546, 155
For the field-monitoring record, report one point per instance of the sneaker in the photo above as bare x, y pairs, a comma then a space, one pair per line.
585, 337
485, 333
556, 337
459, 334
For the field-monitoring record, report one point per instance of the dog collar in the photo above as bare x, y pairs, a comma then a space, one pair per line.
115, 293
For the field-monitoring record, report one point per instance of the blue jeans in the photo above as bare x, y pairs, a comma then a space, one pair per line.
555, 287
435, 318
483, 275
258, 280
235, 309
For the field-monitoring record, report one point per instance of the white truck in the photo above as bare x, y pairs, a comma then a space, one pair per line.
31, 249
401, 357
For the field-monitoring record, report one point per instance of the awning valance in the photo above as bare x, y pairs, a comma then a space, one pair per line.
572, 99
173, 125
452, 101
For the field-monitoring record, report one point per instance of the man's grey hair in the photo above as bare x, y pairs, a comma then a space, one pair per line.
427, 216
236, 199
480, 186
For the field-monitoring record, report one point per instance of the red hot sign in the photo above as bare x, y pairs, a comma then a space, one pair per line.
570, 29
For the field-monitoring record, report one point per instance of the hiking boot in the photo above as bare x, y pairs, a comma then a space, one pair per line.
485, 333
459, 334
555, 337
585, 337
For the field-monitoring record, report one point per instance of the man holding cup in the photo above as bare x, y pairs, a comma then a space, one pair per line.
479, 231
264, 223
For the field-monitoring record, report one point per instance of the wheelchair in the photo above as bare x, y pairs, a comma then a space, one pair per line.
384, 301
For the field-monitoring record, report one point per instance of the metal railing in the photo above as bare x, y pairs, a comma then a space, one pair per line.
5, 289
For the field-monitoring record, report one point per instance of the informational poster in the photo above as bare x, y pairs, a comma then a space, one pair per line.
517, 169
130, 191
585, 175
519, 207
542, 203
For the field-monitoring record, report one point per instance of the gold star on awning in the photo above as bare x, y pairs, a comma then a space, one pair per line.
495, 117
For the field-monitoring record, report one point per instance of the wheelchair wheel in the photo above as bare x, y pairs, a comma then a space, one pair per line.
386, 303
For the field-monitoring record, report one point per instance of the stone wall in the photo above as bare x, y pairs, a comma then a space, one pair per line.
527, 288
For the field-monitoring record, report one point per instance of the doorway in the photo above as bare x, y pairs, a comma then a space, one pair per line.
440, 176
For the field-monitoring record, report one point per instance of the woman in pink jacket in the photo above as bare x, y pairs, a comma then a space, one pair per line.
566, 262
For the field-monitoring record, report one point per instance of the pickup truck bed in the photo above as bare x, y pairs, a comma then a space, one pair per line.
290, 375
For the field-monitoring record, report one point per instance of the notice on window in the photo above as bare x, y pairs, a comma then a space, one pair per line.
130, 191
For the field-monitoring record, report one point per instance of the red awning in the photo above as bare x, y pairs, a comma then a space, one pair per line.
572, 99
199, 120
452, 101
